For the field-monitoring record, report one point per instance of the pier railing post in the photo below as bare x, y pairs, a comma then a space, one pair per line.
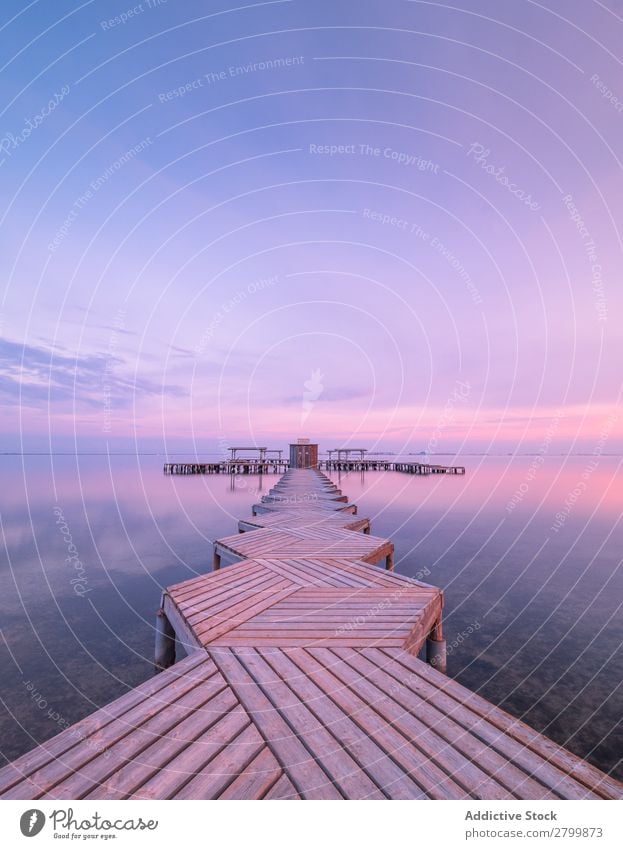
165, 642
436, 654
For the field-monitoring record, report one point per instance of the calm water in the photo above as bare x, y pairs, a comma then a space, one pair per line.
533, 603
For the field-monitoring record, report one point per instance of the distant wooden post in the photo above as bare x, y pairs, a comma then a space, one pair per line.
436, 649
165, 642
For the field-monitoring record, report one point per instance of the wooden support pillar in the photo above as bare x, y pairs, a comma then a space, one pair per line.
436, 653
165, 642
389, 562
216, 560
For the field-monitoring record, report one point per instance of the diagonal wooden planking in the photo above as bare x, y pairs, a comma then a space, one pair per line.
308, 541
307, 518
306, 602
181, 735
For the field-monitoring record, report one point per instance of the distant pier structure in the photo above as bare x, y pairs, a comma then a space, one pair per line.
344, 456
259, 463
304, 454
355, 460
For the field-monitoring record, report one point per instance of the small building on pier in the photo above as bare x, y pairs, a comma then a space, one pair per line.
303, 454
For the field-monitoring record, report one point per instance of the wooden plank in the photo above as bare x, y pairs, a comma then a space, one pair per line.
395, 631
312, 639
362, 595
241, 612
210, 601
504, 771
332, 506
212, 589
315, 687
157, 757
292, 519
211, 605
314, 571
257, 780
109, 748
376, 574
222, 578
538, 756
308, 777
336, 572
385, 775
290, 569
84, 777
13, 776
172, 781
282, 789
279, 545
301, 715
232, 761
466, 779
299, 617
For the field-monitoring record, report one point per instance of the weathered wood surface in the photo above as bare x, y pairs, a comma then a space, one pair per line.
305, 602
182, 735
302, 682
309, 518
313, 723
305, 541
322, 508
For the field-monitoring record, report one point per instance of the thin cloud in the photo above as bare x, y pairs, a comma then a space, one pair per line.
31, 374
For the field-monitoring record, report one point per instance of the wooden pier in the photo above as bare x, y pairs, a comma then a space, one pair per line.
369, 465
269, 466
302, 680
228, 467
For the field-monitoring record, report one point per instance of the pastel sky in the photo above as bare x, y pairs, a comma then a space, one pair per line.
386, 223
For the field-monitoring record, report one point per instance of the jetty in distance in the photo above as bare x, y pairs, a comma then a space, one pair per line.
309, 669
338, 459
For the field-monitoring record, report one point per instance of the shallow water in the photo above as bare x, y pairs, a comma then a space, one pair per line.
533, 603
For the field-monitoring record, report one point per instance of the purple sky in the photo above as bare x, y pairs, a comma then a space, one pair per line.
396, 227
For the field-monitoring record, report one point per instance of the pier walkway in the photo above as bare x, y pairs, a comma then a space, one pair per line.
302, 680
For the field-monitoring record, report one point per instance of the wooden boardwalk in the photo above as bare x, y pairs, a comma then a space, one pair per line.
302, 681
